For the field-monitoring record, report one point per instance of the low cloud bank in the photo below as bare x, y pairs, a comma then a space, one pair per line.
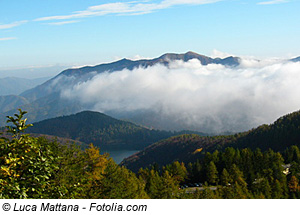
211, 98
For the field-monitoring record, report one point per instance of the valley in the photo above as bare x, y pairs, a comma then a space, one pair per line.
158, 141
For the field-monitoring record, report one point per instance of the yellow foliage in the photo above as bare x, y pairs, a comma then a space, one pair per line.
5, 171
197, 151
97, 162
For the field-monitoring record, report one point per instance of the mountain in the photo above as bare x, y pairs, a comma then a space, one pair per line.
10, 87
45, 100
10, 102
43, 108
183, 148
164, 59
15, 86
99, 129
283, 133
297, 59
87, 72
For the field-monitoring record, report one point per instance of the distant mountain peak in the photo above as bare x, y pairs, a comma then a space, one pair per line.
163, 59
186, 56
124, 60
297, 59
191, 53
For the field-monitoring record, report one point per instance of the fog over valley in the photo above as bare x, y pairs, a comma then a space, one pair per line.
188, 95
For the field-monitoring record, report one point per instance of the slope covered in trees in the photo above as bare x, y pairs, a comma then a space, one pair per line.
183, 148
283, 133
99, 129
231, 174
37, 168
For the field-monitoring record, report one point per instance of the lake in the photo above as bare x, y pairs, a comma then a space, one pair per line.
119, 155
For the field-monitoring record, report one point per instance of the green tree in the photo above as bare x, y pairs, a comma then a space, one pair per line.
212, 173
169, 186
153, 183
277, 191
120, 183
225, 178
237, 176
27, 166
177, 171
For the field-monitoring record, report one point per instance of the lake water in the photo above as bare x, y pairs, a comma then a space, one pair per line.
119, 155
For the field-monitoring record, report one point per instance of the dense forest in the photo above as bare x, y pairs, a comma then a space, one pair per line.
34, 167
283, 133
101, 130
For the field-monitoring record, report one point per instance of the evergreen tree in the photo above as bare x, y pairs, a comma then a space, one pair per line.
170, 186
153, 184
225, 178
277, 191
212, 173
237, 176
177, 171
120, 183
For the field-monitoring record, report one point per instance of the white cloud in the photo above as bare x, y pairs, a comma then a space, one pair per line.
273, 2
208, 98
63, 23
138, 57
126, 8
7, 38
220, 54
12, 25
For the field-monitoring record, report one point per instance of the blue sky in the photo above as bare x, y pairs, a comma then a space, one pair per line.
68, 32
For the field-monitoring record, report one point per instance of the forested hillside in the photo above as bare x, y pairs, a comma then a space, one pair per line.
231, 174
99, 129
283, 133
38, 168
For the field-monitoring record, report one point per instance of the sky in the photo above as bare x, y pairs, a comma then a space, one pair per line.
51, 33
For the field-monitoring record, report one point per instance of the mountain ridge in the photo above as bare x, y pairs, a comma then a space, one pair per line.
296, 59
163, 59
15, 86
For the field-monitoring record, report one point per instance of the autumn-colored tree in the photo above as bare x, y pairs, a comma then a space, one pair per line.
293, 184
95, 167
